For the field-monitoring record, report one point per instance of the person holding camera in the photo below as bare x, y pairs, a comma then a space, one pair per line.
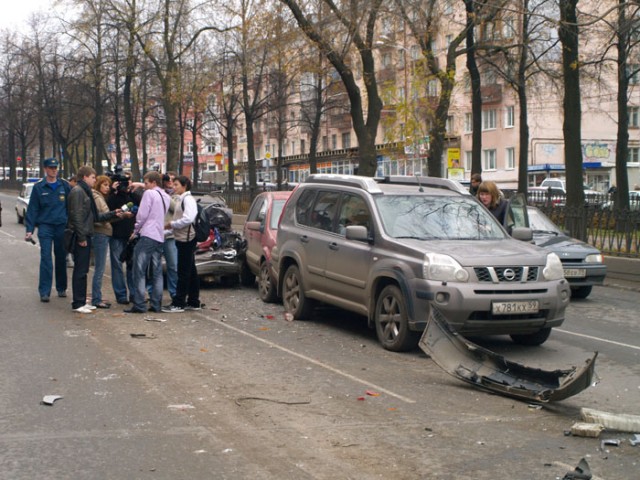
122, 272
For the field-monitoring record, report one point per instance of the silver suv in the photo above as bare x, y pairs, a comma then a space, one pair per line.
389, 248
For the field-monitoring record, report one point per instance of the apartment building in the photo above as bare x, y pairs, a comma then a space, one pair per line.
409, 96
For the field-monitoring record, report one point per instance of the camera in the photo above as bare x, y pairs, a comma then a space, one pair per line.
117, 175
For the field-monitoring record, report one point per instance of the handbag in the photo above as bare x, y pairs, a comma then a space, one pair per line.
69, 240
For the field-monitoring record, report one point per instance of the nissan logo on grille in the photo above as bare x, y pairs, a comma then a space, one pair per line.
509, 274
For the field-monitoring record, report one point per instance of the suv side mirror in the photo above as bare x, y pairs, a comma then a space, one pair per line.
357, 232
522, 233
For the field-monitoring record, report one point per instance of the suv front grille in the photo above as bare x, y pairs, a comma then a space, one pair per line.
506, 274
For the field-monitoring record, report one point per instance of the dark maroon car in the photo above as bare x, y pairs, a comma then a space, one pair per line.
260, 231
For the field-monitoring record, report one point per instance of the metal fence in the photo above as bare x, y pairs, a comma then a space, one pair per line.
598, 223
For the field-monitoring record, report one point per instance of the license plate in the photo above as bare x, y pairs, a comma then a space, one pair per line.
575, 272
514, 308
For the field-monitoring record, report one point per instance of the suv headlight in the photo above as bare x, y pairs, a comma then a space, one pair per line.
594, 258
553, 269
443, 268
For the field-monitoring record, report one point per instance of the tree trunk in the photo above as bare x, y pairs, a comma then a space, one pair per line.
476, 92
571, 127
621, 196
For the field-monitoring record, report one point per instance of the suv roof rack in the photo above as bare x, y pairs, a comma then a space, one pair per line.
365, 183
424, 181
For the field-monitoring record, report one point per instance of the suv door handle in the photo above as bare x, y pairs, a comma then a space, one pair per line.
333, 246
304, 239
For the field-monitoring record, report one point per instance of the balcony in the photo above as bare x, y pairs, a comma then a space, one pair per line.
491, 93
340, 121
387, 74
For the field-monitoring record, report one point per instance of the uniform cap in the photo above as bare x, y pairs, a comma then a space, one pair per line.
51, 162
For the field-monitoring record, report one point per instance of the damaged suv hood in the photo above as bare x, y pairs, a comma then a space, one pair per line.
489, 371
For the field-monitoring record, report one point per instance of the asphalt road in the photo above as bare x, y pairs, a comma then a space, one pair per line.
236, 391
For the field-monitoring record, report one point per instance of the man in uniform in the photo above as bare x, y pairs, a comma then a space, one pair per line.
47, 211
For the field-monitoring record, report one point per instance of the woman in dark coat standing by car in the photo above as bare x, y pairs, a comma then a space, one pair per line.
489, 195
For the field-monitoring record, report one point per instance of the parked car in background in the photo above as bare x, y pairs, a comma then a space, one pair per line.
583, 264
23, 201
260, 230
389, 249
634, 201
557, 188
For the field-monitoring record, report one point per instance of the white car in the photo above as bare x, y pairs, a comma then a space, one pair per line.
23, 201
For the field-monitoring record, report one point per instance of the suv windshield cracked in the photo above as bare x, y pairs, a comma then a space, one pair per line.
389, 248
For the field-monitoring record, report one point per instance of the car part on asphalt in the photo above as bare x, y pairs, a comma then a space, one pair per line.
487, 370
621, 422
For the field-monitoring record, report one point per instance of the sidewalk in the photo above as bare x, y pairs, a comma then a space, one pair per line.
623, 272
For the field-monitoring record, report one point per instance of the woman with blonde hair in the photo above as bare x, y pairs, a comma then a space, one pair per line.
101, 236
489, 195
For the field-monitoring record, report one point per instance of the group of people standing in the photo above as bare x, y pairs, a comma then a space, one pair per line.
98, 212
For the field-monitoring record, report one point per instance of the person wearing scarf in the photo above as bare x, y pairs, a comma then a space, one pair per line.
83, 213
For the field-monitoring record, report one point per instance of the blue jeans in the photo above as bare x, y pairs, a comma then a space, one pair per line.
122, 285
100, 247
170, 253
49, 235
147, 253
171, 258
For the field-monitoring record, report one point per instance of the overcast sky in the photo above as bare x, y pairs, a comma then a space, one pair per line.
14, 13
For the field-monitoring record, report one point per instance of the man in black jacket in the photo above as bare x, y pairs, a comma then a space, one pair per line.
122, 230
83, 213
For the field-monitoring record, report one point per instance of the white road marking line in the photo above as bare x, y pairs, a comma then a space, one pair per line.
320, 364
613, 342
7, 234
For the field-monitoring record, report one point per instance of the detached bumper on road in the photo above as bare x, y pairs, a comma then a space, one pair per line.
490, 371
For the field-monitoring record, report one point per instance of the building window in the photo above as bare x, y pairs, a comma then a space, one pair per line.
488, 119
448, 7
402, 94
448, 40
415, 52
334, 142
386, 60
633, 73
508, 28
346, 140
509, 119
325, 143
449, 124
634, 155
190, 147
510, 160
489, 159
468, 157
211, 147
468, 122
432, 88
303, 146
634, 113
401, 58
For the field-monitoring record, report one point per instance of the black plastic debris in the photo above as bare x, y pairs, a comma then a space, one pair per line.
487, 370
581, 472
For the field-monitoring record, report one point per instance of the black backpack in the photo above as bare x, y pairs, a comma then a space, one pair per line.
201, 223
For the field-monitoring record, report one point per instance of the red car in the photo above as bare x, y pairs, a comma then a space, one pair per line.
260, 231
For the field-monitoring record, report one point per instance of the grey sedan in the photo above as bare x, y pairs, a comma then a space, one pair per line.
583, 264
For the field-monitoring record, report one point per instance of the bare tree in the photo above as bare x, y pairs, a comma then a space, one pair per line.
335, 29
